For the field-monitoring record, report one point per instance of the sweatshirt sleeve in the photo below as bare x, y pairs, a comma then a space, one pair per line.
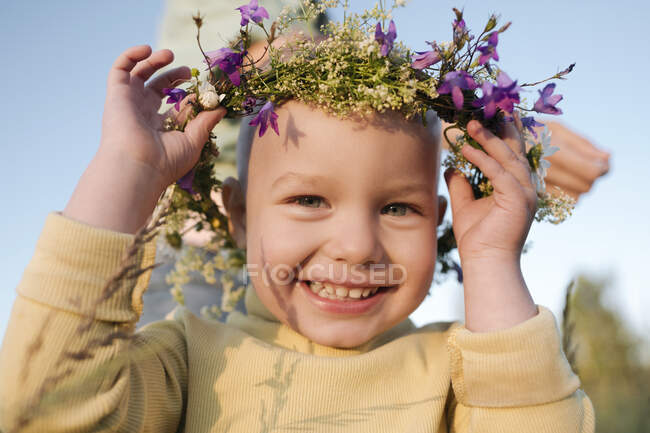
516, 380
71, 361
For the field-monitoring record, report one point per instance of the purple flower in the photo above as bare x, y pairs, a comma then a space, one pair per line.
547, 101
459, 271
567, 70
386, 39
424, 59
504, 95
265, 116
252, 12
249, 104
529, 123
185, 182
489, 51
459, 29
510, 92
491, 96
228, 61
455, 82
175, 97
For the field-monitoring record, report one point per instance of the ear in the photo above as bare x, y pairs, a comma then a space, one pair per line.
442, 208
235, 204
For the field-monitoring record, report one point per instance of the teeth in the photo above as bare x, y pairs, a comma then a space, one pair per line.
330, 291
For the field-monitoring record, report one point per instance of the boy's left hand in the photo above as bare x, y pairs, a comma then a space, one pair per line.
493, 227
491, 231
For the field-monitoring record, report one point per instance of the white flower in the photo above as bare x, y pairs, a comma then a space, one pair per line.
368, 45
544, 145
400, 3
208, 96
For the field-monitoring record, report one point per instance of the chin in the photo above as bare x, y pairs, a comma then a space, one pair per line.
340, 335
345, 342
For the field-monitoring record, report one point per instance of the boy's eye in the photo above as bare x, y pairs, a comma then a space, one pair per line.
308, 201
396, 209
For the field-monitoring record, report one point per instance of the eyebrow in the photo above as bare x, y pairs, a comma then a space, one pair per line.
311, 179
411, 188
302, 178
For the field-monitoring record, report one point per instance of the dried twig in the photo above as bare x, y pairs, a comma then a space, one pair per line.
128, 271
568, 326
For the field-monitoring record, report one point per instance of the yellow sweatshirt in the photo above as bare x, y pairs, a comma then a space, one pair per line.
253, 374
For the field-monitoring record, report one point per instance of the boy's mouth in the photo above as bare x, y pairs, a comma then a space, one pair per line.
340, 293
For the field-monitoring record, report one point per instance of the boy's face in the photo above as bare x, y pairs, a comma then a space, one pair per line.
337, 205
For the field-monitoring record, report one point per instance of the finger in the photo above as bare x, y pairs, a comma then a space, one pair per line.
512, 138
460, 191
517, 121
146, 68
198, 129
502, 180
171, 78
185, 108
556, 191
491, 143
566, 181
502, 154
120, 72
570, 161
575, 140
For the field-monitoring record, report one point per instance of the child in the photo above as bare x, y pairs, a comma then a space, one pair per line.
327, 210
574, 168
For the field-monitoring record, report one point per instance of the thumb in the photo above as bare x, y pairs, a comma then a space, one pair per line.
198, 129
460, 191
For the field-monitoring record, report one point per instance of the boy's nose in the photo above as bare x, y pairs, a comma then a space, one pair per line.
355, 240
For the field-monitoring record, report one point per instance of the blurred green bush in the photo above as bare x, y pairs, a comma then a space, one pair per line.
608, 358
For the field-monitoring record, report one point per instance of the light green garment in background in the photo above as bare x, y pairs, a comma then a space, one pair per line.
177, 32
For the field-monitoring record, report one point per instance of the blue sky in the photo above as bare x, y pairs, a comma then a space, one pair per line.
55, 57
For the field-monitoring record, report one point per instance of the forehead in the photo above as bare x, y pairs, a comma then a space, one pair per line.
314, 147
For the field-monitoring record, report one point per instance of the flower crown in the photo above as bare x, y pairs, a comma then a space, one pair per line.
357, 66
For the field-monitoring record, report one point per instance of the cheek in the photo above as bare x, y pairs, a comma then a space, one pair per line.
275, 247
284, 241
415, 251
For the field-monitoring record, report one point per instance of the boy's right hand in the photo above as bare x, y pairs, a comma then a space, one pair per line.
137, 159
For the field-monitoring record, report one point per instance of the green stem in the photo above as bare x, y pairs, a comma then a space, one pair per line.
198, 41
556, 76
451, 144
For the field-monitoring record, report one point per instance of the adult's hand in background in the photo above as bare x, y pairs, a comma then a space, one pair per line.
578, 163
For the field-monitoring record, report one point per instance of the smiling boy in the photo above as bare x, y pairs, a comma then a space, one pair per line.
320, 208
346, 204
